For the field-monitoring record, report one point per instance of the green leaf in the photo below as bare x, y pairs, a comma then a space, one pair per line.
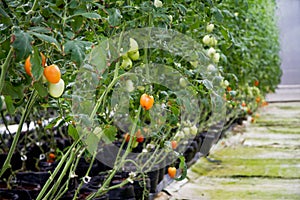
40, 29
77, 50
3, 13
217, 14
72, 131
36, 64
46, 38
9, 105
207, 84
109, 134
181, 8
183, 167
15, 92
41, 89
22, 44
114, 16
88, 15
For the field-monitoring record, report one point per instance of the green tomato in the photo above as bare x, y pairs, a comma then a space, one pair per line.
57, 89
133, 45
183, 82
126, 63
134, 55
206, 39
210, 27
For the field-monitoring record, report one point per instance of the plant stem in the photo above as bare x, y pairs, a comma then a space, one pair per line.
25, 114
118, 166
86, 174
34, 7
63, 173
4, 68
51, 178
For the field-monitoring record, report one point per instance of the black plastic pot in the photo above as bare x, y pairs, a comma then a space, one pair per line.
207, 142
189, 153
139, 188
125, 192
6, 194
154, 177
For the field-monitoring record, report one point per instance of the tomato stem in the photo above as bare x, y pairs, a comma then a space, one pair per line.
4, 68
25, 114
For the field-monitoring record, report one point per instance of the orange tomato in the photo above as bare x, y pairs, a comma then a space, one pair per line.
146, 101
244, 104
127, 137
27, 65
257, 99
139, 136
52, 73
172, 172
228, 88
52, 156
174, 144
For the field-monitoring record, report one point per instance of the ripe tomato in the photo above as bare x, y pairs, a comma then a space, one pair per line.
256, 83
229, 89
172, 172
257, 99
52, 156
244, 104
56, 90
52, 73
27, 65
139, 136
127, 137
146, 101
174, 144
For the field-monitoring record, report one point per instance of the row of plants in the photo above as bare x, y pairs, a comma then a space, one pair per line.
107, 99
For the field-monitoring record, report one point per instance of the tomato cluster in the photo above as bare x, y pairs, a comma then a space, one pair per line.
51, 74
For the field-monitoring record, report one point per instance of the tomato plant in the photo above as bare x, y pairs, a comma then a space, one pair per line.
230, 51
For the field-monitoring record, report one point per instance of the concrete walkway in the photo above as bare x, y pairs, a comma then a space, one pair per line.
258, 160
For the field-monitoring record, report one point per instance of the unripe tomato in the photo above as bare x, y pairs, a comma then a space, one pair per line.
134, 55
52, 73
146, 101
206, 39
216, 57
183, 82
133, 45
211, 52
172, 172
126, 63
57, 89
194, 130
210, 27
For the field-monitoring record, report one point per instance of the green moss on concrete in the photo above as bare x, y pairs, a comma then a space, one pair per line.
220, 194
291, 123
285, 130
248, 162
